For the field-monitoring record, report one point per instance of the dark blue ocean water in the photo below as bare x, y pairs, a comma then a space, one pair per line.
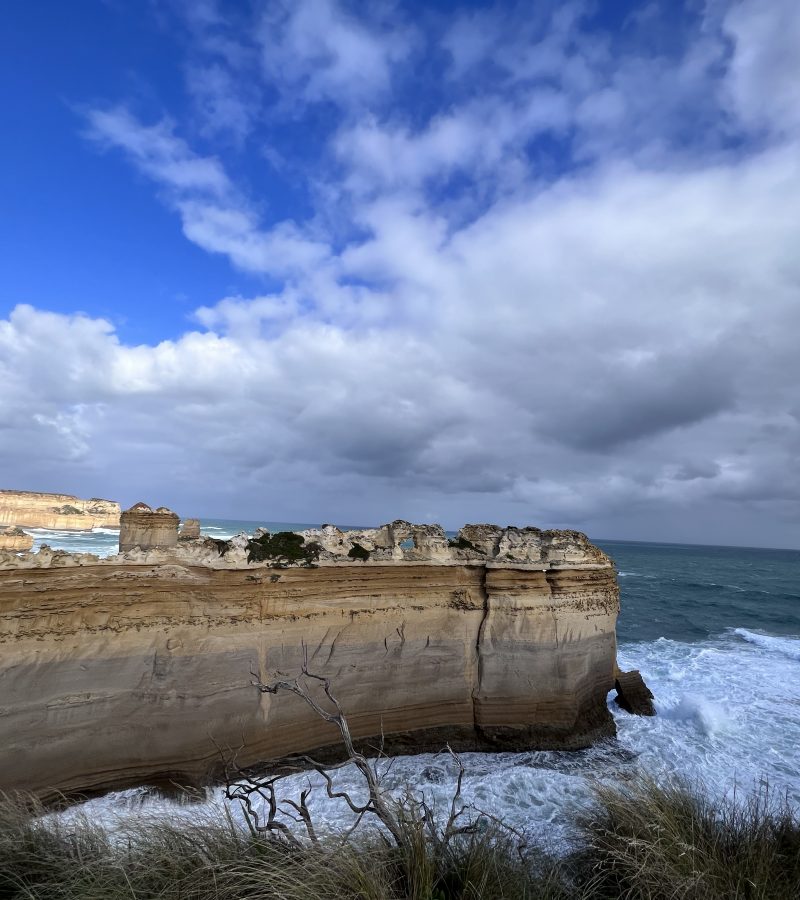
691, 593
714, 630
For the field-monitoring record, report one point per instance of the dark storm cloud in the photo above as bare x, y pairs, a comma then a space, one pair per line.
666, 393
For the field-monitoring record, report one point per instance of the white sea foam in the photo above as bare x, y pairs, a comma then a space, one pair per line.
728, 713
787, 646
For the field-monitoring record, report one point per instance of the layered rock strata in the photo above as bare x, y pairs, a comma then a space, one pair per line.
138, 668
148, 529
31, 509
190, 530
12, 538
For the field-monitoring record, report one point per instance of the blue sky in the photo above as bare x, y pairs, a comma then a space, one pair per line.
533, 263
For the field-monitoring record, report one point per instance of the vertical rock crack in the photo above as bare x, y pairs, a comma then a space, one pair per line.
476, 687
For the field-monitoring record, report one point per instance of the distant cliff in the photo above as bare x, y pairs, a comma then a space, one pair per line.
12, 538
138, 668
31, 509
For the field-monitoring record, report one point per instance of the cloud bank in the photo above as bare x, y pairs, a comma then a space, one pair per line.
561, 286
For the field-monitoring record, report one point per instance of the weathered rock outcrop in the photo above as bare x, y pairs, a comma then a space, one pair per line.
633, 695
12, 538
31, 509
190, 530
137, 668
148, 529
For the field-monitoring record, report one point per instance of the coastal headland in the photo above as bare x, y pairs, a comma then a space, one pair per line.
32, 509
137, 668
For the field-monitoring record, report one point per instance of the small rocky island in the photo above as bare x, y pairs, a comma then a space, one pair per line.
138, 667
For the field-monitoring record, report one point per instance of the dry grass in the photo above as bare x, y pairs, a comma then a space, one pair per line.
672, 842
641, 840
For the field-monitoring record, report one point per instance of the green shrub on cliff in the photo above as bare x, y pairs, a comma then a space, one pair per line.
358, 552
461, 543
283, 548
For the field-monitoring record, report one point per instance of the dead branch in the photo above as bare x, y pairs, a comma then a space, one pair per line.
377, 803
400, 818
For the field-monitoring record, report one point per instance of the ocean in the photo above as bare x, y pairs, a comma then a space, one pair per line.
714, 630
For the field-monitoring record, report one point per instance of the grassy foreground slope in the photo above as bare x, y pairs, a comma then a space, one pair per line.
639, 840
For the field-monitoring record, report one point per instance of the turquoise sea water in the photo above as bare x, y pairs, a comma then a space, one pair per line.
716, 634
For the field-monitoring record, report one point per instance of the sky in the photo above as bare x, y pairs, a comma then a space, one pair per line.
525, 263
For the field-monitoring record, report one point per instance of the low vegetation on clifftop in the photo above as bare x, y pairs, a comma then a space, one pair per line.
638, 841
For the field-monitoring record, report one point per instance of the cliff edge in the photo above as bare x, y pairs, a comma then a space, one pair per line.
31, 509
137, 668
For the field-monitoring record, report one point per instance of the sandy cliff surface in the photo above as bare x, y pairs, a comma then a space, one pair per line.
137, 668
31, 509
12, 538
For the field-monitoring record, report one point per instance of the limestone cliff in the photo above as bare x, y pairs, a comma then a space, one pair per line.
146, 528
31, 509
137, 668
12, 538
190, 530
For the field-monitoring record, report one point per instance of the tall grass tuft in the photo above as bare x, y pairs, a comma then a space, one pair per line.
673, 841
640, 840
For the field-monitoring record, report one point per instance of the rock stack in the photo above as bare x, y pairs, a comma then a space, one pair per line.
190, 530
147, 528
13, 538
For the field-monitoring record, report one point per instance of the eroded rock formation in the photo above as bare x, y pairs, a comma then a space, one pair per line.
12, 538
31, 509
137, 668
190, 530
633, 695
148, 529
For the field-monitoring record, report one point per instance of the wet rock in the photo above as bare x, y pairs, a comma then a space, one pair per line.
633, 695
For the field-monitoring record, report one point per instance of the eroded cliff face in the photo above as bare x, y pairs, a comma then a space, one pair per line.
118, 672
31, 509
141, 526
13, 538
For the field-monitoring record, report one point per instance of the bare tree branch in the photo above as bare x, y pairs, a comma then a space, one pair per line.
401, 818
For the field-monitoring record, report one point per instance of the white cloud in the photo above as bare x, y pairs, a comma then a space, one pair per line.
214, 214
574, 354
318, 50
478, 137
764, 71
159, 153
605, 341
223, 106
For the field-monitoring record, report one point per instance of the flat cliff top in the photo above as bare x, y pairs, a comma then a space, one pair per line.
396, 544
44, 496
